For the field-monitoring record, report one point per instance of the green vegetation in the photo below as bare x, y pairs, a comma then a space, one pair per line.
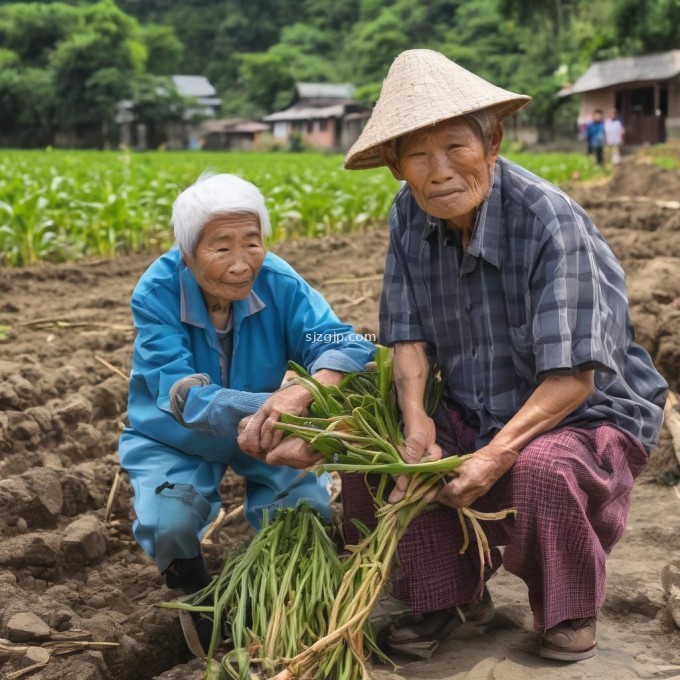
665, 156
559, 168
277, 595
64, 205
667, 162
357, 428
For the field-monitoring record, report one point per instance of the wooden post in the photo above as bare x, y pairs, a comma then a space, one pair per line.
657, 107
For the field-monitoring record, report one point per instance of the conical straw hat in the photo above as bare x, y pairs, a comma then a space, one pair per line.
422, 88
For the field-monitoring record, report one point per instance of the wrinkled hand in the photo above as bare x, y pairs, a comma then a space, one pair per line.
419, 447
294, 453
256, 434
476, 476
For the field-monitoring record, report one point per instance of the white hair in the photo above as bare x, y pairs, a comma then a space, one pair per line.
212, 195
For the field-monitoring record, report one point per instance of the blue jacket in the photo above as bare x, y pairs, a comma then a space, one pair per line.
283, 318
595, 133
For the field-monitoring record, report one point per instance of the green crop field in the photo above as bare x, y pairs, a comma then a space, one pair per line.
64, 205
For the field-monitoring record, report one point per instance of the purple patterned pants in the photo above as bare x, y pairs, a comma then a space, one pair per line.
571, 488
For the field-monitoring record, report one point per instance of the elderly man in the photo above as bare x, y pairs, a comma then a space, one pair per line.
503, 280
217, 320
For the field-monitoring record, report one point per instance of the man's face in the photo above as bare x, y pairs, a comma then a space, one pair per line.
448, 169
228, 257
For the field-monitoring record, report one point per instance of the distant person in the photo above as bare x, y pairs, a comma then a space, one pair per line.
613, 135
595, 137
218, 319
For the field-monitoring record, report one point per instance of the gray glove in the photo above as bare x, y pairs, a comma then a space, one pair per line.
180, 391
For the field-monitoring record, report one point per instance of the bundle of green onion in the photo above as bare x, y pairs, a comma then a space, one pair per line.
277, 594
356, 428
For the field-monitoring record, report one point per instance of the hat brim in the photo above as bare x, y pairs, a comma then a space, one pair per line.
359, 158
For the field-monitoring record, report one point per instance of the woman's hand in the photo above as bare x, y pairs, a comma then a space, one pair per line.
294, 453
257, 434
475, 476
411, 369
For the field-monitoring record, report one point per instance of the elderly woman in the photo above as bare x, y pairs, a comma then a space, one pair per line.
504, 281
217, 320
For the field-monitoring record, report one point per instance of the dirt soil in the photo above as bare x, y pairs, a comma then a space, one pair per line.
67, 574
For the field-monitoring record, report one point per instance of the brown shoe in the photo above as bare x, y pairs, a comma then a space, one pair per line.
419, 635
571, 640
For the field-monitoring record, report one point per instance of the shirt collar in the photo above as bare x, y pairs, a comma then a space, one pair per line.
192, 306
486, 232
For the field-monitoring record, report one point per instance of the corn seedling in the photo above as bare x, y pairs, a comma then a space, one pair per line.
63, 205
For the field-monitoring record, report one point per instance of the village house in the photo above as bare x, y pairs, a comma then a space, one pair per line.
206, 103
644, 90
322, 115
234, 134
184, 133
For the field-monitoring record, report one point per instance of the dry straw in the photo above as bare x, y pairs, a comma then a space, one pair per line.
423, 88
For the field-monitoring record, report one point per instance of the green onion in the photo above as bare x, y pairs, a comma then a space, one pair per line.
277, 594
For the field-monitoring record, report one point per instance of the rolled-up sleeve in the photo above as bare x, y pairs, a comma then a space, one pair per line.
399, 316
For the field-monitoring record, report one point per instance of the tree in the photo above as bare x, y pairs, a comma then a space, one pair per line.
246, 28
265, 77
155, 101
93, 69
33, 29
27, 104
647, 26
197, 26
373, 46
8, 59
338, 17
83, 56
163, 48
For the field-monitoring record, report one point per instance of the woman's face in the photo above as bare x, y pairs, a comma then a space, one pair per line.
228, 257
448, 169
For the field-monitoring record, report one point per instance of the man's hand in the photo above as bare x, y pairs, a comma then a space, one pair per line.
256, 434
419, 447
476, 476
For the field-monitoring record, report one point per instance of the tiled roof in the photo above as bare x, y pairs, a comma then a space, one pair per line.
325, 90
307, 113
603, 74
193, 86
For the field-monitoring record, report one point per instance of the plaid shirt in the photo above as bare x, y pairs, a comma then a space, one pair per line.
537, 292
